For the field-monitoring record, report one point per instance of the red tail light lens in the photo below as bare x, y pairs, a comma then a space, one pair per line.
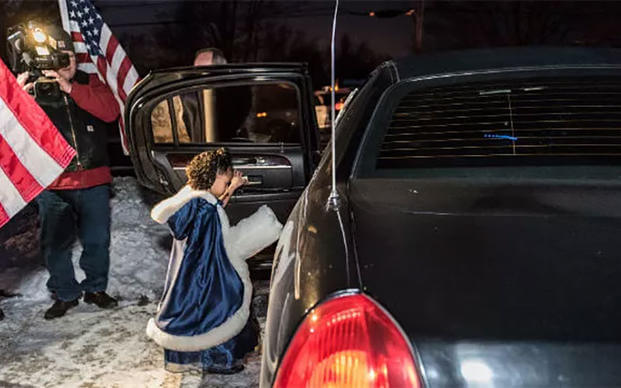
348, 341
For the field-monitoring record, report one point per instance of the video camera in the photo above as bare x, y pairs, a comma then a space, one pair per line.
31, 49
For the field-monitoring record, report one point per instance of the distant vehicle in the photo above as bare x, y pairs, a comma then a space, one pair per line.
476, 238
322, 107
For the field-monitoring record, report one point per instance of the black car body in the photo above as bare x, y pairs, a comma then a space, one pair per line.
480, 208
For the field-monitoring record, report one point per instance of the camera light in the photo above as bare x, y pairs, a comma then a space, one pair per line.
39, 36
41, 50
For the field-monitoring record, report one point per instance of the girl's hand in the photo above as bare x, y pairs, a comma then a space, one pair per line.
238, 180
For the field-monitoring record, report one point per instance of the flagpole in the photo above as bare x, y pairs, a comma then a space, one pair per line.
64, 15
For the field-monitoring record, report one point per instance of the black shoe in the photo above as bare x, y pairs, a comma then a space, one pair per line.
1, 315
59, 308
101, 299
218, 370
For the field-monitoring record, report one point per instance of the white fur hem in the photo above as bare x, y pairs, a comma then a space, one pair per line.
236, 254
227, 330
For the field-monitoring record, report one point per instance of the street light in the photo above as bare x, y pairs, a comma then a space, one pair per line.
391, 13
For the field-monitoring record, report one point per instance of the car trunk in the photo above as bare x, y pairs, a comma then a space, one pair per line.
507, 278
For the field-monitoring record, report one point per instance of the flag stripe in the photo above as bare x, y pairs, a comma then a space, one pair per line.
80, 48
117, 59
88, 68
11, 200
23, 181
104, 39
130, 80
4, 218
76, 36
112, 84
126, 65
83, 57
75, 28
102, 67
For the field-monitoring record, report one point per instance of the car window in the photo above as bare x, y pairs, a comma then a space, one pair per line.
261, 113
491, 128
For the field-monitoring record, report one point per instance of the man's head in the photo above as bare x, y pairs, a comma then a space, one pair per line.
65, 45
209, 56
68, 72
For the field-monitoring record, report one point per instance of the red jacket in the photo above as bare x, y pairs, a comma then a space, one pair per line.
95, 98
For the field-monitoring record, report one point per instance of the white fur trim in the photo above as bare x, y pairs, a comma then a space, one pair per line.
166, 208
237, 245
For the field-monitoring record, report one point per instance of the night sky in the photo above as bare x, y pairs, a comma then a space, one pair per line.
158, 34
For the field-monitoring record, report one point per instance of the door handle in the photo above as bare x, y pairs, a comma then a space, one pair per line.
237, 161
253, 161
254, 180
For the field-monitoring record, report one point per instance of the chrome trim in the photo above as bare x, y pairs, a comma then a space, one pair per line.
259, 166
249, 167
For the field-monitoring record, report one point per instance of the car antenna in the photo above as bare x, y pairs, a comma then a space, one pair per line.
333, 200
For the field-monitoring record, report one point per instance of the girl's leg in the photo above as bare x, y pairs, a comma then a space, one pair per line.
228, 358
175, 361
220, 359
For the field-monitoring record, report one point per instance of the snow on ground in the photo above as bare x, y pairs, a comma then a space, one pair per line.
90, 347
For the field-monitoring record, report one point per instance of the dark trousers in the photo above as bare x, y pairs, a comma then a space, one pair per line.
65, 214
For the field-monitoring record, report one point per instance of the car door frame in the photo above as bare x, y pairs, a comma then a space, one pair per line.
154, 170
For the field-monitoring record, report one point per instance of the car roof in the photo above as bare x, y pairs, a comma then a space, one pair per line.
497, 58
159, 77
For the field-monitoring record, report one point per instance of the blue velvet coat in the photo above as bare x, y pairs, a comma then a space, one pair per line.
207, 291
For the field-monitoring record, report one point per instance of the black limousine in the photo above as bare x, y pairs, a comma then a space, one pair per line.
474, 240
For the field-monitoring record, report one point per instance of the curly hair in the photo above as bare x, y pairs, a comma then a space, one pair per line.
202, 169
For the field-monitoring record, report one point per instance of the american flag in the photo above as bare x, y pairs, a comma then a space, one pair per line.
99, 52
32, 151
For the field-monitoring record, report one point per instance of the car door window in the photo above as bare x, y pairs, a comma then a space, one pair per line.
161, 122
260, 113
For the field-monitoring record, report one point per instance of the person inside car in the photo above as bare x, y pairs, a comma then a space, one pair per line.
187, 108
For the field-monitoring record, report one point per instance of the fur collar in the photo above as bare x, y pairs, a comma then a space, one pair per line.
163, 210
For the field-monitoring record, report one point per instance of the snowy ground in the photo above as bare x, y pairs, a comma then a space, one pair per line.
90, 347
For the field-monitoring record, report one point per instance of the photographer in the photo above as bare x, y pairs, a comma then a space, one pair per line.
77, 203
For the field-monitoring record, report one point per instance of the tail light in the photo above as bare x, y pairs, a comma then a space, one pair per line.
348, 341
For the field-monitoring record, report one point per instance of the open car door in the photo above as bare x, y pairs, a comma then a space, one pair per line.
261, 112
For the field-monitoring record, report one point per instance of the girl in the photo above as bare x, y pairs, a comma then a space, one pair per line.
202, 319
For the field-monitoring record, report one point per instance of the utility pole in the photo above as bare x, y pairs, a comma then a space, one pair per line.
417, 18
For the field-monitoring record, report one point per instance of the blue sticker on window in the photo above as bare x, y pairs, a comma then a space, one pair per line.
494, 136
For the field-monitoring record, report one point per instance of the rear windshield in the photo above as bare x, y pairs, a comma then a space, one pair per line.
477, 127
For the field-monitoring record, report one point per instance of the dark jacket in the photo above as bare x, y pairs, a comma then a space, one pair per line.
84, 118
